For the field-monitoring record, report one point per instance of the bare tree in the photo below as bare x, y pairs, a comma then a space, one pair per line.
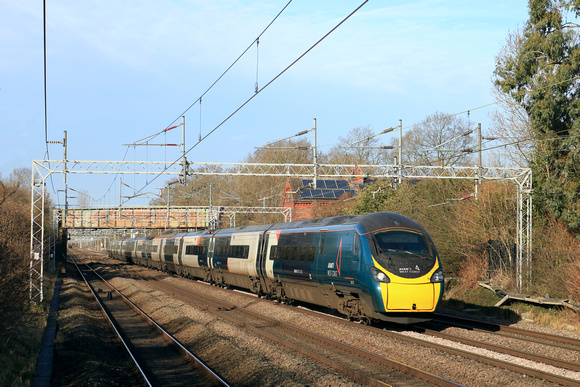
244, 191
441, 139
14, 256
360, 146
83, 198
510, 123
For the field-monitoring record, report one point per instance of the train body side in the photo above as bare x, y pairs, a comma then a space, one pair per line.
235, 256
194, 259
312, 264
376, 266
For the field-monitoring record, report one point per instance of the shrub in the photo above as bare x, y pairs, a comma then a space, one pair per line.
429, 202
556, 261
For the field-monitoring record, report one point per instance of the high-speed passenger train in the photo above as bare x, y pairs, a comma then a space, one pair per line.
380, 266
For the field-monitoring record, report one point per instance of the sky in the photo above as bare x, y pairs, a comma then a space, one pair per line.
118, 71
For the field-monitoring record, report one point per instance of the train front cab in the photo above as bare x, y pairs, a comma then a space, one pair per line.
407, 280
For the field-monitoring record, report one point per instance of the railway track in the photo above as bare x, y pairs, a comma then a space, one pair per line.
508, 331
552, 361
513, 339
492, 359
532, 370
159, 357
419, 339
360, 365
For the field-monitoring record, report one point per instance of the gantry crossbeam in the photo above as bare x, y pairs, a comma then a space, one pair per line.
47, 167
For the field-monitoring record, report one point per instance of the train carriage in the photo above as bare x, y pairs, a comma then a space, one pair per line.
320, 262
142, 251
115, 249
128, 249
235, 257
194, 255
155, 253
170, 253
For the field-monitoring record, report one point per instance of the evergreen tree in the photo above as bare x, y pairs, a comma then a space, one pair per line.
543, 75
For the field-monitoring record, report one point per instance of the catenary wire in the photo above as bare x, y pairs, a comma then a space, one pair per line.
256, 93
198, 100
47, 154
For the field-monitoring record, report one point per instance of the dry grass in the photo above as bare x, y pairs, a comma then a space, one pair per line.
473, 270
557, 318
572, 281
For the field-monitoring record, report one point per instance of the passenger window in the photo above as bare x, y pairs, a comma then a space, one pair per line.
274, 253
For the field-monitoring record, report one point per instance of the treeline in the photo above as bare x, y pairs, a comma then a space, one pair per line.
360, 146
21, 322
14, 248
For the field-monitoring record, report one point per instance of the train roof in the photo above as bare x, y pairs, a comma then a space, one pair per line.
366, 223
319, 222
382, 220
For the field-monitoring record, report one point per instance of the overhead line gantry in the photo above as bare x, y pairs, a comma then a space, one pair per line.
42, 169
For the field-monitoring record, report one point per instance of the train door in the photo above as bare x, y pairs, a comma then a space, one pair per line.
261, 261
167, 253
179, 256
202, 257
155, 252
210, 250
180, 252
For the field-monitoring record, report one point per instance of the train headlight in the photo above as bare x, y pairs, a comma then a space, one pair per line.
379, 276
437, 276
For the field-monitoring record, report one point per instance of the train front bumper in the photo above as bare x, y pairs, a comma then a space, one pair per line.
411, 297
411, 294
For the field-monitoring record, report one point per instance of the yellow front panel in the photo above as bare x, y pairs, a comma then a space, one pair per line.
402, 297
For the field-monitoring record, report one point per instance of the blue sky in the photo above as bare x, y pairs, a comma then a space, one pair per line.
118, 71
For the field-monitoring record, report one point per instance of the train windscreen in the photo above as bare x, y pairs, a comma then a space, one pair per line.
404, 253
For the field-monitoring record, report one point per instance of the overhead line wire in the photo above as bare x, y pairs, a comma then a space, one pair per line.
205, 92
463, 112
231, 65
276, 77
47, 154
44, 74
257, 91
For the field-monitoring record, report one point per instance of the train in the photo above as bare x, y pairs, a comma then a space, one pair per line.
373, 267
